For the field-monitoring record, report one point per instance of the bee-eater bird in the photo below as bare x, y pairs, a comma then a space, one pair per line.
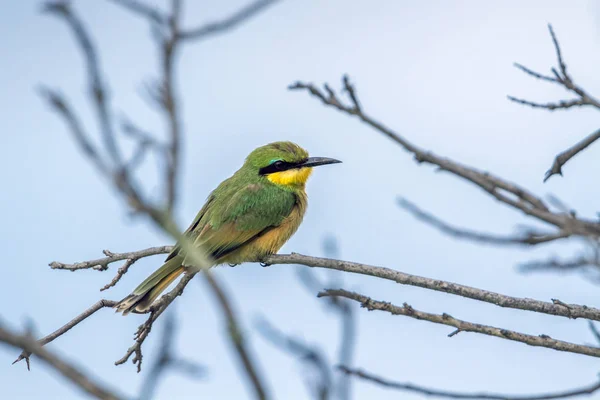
248, 217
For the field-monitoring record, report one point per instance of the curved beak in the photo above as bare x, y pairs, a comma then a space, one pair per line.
316, 161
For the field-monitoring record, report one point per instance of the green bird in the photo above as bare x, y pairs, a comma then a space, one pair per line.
248, 217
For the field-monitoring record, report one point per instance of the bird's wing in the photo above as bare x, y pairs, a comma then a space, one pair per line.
231, 221
189, 232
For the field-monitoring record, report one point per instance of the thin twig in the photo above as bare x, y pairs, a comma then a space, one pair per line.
465, 326
66, 327
101, 264
562, 158
557, 265
409, 387
96, 84
228, 23
155, 311
529, 239
562, 78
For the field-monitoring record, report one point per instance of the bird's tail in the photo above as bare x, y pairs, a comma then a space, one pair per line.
144, 295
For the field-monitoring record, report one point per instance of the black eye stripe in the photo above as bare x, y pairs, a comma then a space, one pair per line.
278, 166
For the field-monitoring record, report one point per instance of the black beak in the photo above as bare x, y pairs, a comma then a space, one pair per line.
316, 161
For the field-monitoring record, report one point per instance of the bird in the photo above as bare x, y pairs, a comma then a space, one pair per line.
249, 216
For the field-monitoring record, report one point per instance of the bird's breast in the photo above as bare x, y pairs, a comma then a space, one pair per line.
273, 239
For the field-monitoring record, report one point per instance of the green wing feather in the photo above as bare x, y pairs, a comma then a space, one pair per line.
233, 218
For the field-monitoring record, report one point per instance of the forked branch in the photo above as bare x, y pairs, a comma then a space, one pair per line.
561, 77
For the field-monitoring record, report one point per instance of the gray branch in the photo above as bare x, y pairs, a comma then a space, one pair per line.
465, 326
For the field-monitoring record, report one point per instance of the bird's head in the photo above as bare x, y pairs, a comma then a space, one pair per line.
285, 163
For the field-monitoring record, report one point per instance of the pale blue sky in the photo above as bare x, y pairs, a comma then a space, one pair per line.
435, 71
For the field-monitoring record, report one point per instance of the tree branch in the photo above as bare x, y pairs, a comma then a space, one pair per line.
67, 370
155, 311
101, 264
562, 158
409, 387
465, 326
529, 239
66, 327
228, 23
557, 307
562, 78
506, 192
96, 84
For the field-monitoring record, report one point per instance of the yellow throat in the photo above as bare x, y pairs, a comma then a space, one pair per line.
291, 177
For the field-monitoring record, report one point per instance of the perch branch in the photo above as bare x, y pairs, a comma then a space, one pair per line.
556, 308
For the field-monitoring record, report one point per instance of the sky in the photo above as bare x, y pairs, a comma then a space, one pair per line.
436, 72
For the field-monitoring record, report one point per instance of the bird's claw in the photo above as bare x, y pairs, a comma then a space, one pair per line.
264, 264
233, 265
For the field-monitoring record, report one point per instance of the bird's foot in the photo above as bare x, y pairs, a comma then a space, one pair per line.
233, 265
264, 264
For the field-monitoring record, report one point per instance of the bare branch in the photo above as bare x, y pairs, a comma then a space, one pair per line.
409, 387
556, 265
562, 158
66, 369
506, 192
562, 104
564, 310
562, 78
155, 311
311, 355
101, 264
65, 328
237, 337
60, 105
228, 23
535, 74
96, 83
529, 239
465, 326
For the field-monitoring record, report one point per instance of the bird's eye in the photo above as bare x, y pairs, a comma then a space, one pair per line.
278, 164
